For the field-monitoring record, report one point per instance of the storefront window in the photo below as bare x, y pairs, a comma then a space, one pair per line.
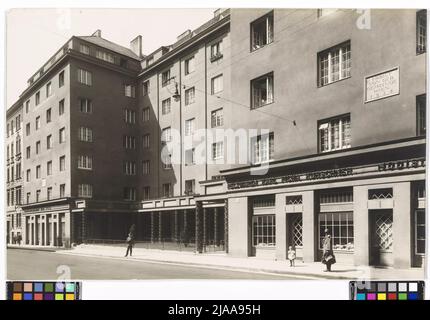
341, 229
263, 227
420, 232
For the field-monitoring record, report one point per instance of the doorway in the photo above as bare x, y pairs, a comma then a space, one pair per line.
381, 238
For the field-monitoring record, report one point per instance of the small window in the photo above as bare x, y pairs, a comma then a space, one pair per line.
217, 118
335, 134
38, 195
190, 158
48, 115
189, 96
189, 127
216, 51
165, 78
85, 190
130, 168
129, 90
27, 106
145, 114
49, 168
85, 134
62, 190
217, 84
37, 98
84, 49
37, 122
190, 186
146, 193
61, 107
129, 116
62, 163
37, 147
263, 230
103, 55
129, 142
217, 150
262, 32
62, 135
165, 106
189, 65
262, 148
85, 162
27, 129
49, 142
262, 91
48, 89
129, 194
146, 167
61, 79
421, 115
167, 190
166, 135
145, 87
85, 77
28, 175
85, 105
334, 64
167, 161
421, 31
38, 172
28, 152
146, 141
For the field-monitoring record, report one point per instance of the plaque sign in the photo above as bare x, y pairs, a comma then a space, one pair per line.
382, 85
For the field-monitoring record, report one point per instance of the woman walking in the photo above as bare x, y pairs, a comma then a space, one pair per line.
130, 241
328, 257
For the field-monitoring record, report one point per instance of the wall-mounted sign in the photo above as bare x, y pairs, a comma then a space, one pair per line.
382, 85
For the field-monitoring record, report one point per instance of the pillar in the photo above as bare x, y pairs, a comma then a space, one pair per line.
199, 226
176, 227
205, 228
67, 229
281, 227
361, 226
310, 225
185, 231
239, 240
152, 227
226, 246
160, 226
83, 226
46, 231
402, 225
215, 226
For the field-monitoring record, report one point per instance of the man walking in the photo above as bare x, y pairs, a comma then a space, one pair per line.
130, 241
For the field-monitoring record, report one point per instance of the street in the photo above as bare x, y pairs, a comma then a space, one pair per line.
43, 265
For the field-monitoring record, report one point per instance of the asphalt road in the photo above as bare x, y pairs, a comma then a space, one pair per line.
42, 265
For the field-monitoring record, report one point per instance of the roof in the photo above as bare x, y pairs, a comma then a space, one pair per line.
111, 46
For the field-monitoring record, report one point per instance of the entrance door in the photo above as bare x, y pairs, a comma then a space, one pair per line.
296, 233
381, 238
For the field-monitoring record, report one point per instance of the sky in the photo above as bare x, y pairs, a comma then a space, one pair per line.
34, 35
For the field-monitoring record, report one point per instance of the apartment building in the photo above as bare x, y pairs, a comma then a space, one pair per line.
255, 132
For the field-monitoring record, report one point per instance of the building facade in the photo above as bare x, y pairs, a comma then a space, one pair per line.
253, 133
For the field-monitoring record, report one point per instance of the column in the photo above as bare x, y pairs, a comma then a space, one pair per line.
185, 231
205, 231
83, 226
176, 227
226, 246
361, 226
46, 231
402, 226
215, 226
160, 226
310, 226
67, 229
239, 227
152, 227
281, 227
199, 227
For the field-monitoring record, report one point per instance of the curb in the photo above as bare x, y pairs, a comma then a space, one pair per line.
33, 249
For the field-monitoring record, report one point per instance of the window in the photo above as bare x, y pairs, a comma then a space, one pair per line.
263, 230
420, 232
37, 98
28, 197
262, 148
11, 150
167, 190
85, 105
85, 77
85, 134
334, 64
190, 186
12, 175
18, 171
85, 162
27, 129
18, 145
167, 161
325, 11
61, 107
146, 169
145, 114
85, 190
38, 123
189, 126
341, 229
165, 78
62, 135
37, 195
129, 116
49, 193
129, 142
37, 147
105, 56
421, 115
337, 196
190, 65
28, 152
217, 118
129, 194
189, 96
49, 168
217, 150
62, 190
18, 201
27, 106
421, 31
190, 157
166, 135
149, 61
11, 127
335, 134
49, 142
48, 115
216, 51
28, 175
62, 163
262, 32
84, 49
146, 140
262, 91
18, 122
8, 130
146, 193
165, 106
130, 168
38, 172
61, 79
217, 84
129, 90
145, 87
48, 89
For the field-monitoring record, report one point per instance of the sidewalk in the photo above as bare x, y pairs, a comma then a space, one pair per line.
223, 261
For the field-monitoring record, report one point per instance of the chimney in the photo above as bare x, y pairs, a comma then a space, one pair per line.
97, 33
136, 46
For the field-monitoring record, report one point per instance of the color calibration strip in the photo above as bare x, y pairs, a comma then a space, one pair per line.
38, 291
387, 290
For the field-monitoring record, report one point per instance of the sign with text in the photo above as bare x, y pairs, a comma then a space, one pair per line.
382, 85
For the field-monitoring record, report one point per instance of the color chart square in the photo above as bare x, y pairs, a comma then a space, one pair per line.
403, 286
41, 290
49, 296
38, 287
49, 287
28, 287
59, 287
70, 296
392, 296
70, 287
17, 296
371, 296
403, 296
59, 296
382, 296
28, 296
360, 296
38, 296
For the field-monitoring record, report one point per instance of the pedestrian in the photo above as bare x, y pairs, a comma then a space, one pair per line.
291, 256
328, 257
130, 241
19, 239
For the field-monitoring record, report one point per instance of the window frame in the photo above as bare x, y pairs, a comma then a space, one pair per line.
328, 121
421, 103
333, 225
266, 17
340, 71
421, 48
268, 233
266, 76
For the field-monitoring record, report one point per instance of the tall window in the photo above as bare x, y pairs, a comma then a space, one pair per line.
335, 134
49, 193
146, 193
37, 122
264, 230
145, 114
189, 126
420, 232
146, 140
421, 115
37, 98
165, 106
165, 78
48, 115
217, 84
262, 91
166, 135
62, 190
334, 64
61, 79
28, 152
129, 142
217, 118
85, 105
189, 96
85, 190
129, 194
38, 172
85, 77
61, 107
27, 106
216, 51
341, 229
49, 142
190, 65
48, 89
38, 195
49, 168
262, 32
85, 162
167, 190
130, 168
190, 158
37, 147
18, 122
129, 116
145, 87
190, 186
129, 90
146, 166
85, 134
62, 163
421, 31
28, 175
217, 150
27, 129
28, 196
262, 148
62, 135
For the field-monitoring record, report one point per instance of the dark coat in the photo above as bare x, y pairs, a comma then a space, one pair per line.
328, 255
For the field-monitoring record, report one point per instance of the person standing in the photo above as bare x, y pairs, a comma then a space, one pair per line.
291, 256
130, 241
328, 257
